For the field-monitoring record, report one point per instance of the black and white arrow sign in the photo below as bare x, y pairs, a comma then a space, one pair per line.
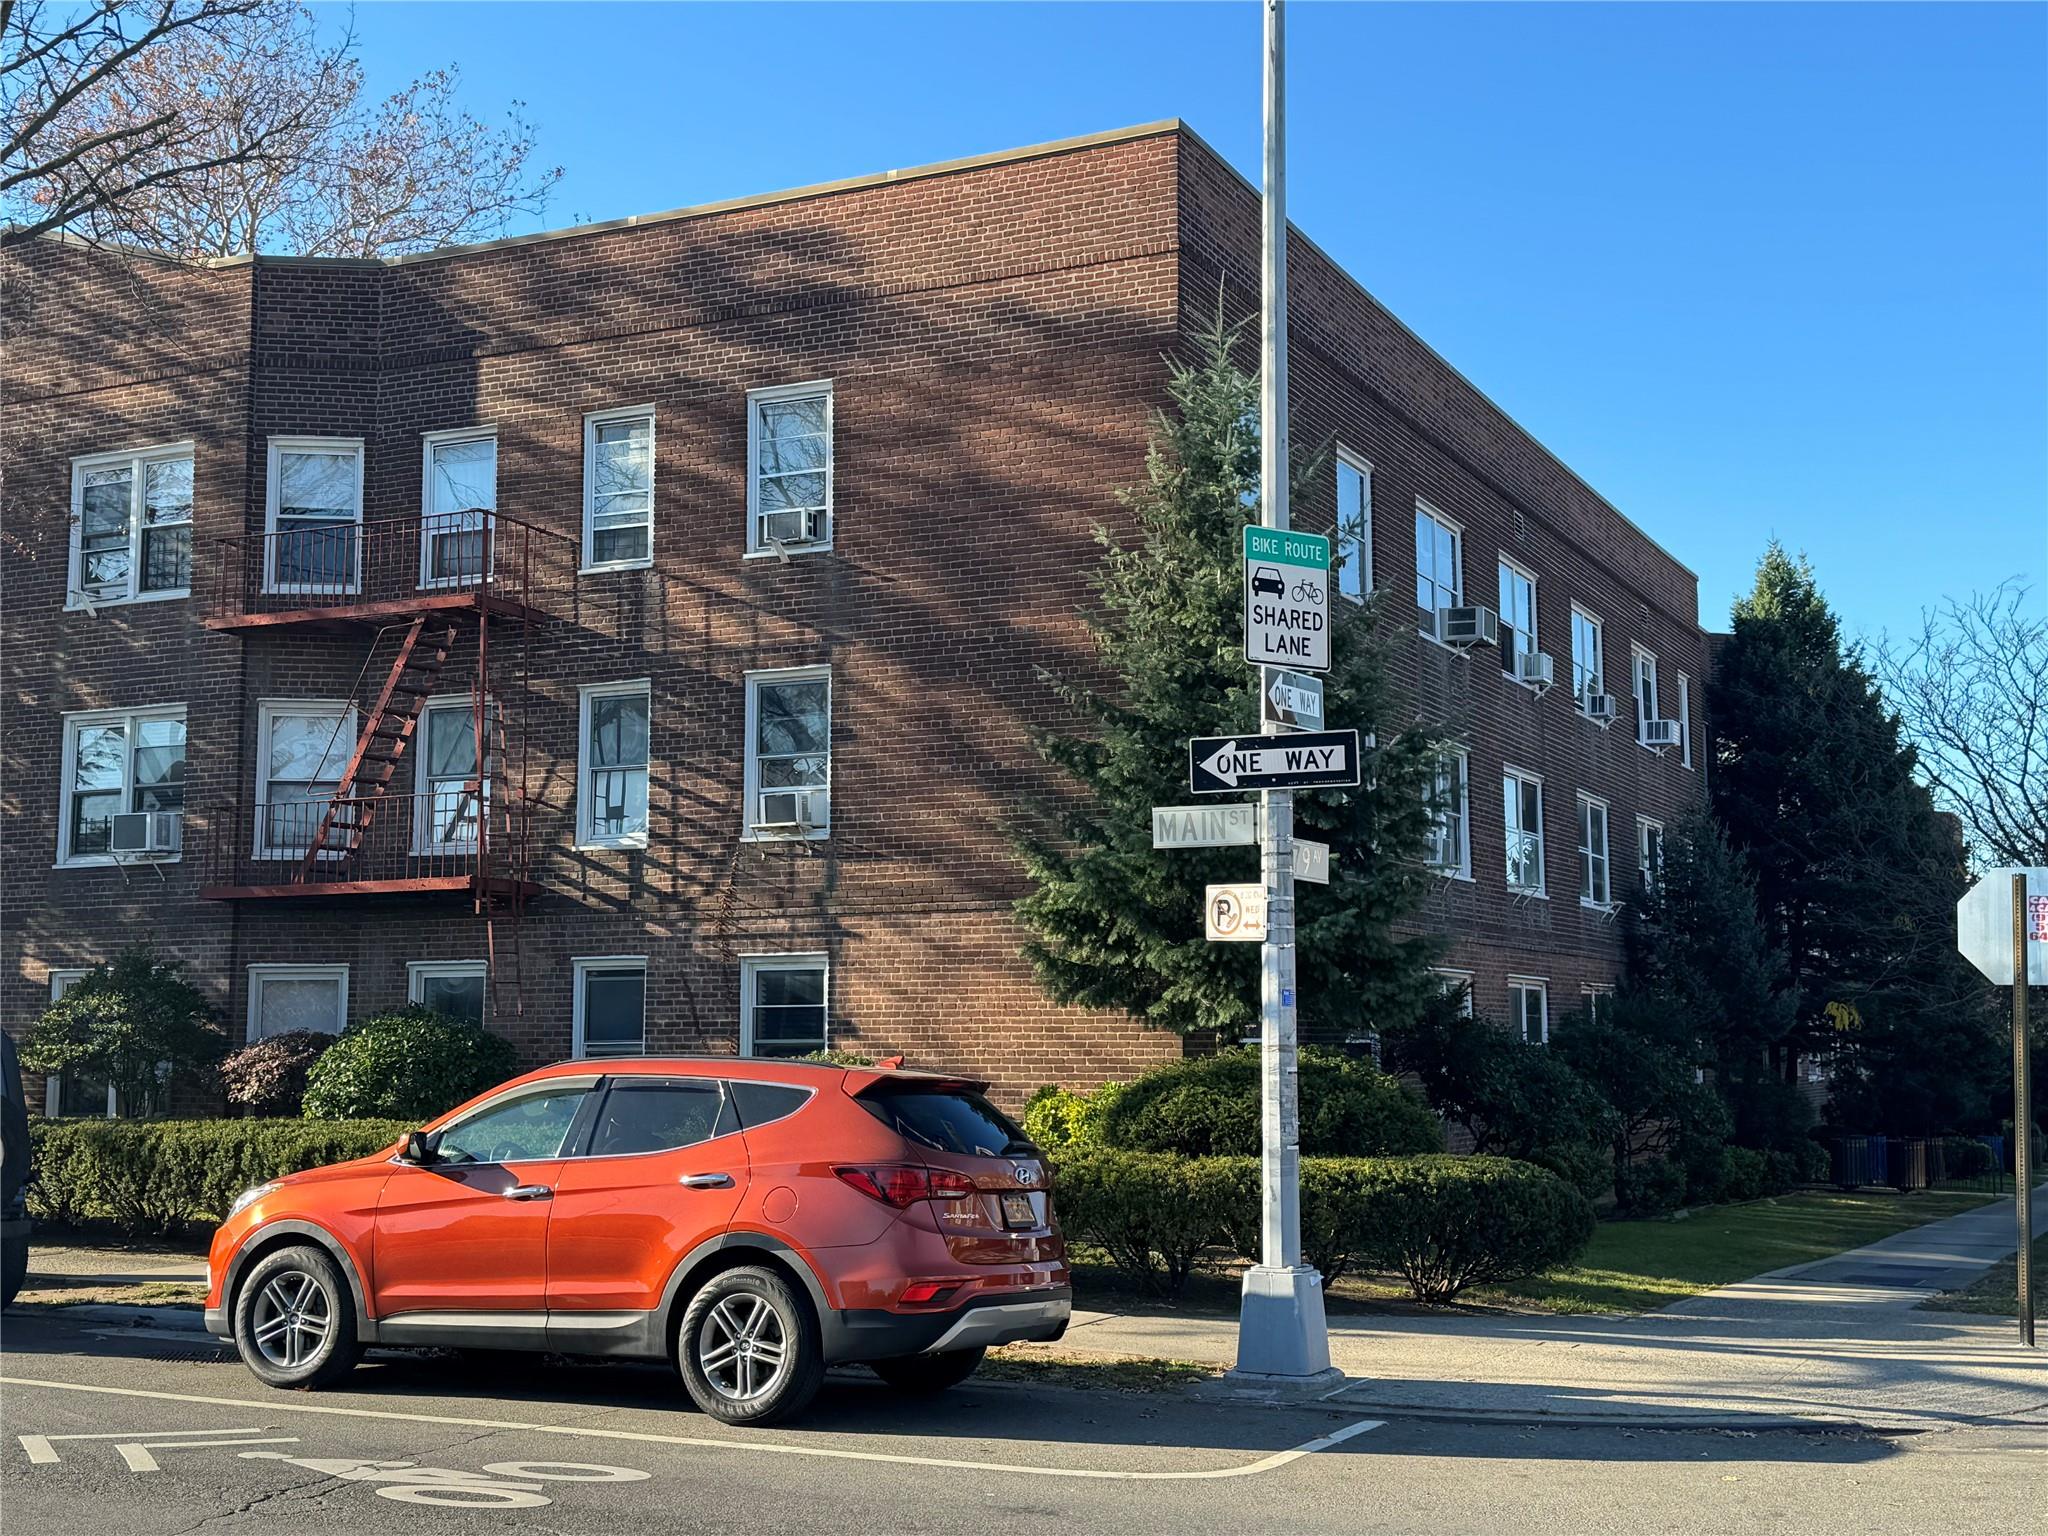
1221, 764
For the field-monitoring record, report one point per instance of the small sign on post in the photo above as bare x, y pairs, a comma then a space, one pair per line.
1205, 826
1292, 699
1311, 861
1287, 598
1234, 914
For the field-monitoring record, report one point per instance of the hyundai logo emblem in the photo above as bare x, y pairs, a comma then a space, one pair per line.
1026, 1174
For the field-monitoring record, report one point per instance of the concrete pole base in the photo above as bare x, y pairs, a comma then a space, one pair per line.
1281, 1331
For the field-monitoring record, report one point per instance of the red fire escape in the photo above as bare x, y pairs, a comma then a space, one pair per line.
418, 601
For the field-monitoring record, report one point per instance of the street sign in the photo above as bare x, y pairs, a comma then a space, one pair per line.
1311, 861
1219, 765
1984, 925
1292, 699
1205, 826
1287, 598
1234, 914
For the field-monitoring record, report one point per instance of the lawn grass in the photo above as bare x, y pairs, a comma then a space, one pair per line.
1045, 1365
1634, 1266
1997, 1291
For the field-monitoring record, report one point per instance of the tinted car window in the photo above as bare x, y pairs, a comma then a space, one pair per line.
761, 1103
530, 1126
947, 1122
654, 1117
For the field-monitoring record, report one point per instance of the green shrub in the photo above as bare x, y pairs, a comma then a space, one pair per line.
1151, 1213
1209, 1106
157, 1177
1963, 1157
1056, 1117
410, 1064
1650, 1186
1743, 1174
137, 1023
269, 1076
1446, 1223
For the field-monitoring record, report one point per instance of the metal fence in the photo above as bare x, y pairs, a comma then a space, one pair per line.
1921, 1162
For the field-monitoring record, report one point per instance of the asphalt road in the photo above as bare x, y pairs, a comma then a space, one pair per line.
140, 1433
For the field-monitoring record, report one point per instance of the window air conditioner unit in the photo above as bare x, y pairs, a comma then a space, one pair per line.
789, 811
1599, 707
1467, 627
1535, 669
1660, 735
805, 526
146, 832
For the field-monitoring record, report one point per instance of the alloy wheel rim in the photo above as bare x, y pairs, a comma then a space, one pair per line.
743, 1348
291, 1319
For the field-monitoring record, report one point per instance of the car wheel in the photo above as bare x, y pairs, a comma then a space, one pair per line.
295, 1322
749, 1349
922, 1375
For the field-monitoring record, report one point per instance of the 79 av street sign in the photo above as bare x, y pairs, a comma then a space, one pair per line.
1287, 598
1219, 765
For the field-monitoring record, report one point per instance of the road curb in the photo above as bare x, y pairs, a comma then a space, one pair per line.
171, 1319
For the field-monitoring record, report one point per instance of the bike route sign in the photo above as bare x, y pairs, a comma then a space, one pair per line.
1287, 599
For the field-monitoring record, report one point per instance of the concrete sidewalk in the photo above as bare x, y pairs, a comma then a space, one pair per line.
1837, 1341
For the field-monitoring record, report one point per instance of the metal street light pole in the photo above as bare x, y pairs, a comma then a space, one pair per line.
2022, 1113
1281, 1329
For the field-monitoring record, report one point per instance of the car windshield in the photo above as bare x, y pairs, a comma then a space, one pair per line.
951, 1120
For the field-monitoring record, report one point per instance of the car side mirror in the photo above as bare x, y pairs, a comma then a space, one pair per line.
423, 1147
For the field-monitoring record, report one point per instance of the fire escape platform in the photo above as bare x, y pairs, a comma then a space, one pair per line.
496, 886
350, 614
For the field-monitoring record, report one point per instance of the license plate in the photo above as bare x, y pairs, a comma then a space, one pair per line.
1017, 1211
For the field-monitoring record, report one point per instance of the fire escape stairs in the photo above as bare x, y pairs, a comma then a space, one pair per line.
387, 733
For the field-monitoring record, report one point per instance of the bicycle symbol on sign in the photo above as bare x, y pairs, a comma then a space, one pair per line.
1306, 592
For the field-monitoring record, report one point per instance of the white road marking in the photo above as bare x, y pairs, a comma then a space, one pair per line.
43, 1453
137, 1452
760, 1447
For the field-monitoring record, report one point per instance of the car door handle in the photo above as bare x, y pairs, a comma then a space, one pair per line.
706, 1181
530, 1192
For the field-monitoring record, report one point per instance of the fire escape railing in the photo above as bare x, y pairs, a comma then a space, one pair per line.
437, 839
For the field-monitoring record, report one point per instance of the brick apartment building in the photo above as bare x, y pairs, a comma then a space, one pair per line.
784, 502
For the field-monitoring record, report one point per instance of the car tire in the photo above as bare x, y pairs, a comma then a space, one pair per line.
925, 1375
749, 1348
295, 1321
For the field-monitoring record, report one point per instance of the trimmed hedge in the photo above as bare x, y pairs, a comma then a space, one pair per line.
1208, 1106
157, 1177
408, 1064
1442, 1223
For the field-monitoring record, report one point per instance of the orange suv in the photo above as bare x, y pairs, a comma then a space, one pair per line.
752, 1221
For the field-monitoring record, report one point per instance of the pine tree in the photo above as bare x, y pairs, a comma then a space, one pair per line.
1115, 924
1856, 875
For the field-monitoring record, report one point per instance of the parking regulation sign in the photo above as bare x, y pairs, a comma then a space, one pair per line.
1287, 599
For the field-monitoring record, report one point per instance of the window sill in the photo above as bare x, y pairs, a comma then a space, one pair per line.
107, 861
1533, 894
1452, 874
614, 565
1602, 907
71, 605
796, 552
611, 845
814, 835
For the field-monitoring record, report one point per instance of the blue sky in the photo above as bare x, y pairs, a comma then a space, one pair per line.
1751, 270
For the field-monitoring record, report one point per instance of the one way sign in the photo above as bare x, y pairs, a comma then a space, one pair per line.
1219, 765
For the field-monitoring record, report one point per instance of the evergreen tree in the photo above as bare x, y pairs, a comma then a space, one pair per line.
1856, 875
1114, 924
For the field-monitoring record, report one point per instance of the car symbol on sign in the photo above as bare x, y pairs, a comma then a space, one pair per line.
1266, 579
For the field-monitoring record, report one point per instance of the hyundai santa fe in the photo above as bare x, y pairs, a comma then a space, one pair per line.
750, 1221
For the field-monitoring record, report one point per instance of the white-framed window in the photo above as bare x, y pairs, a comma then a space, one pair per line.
1595, 885
1456, 983
789, 468
1439, 563
784, 1004
283, 998
453, 987
1684, 720
115, 761
1354, 526
1589, 670
618, 489
303, 745
458, 494
612, 758
131, 526
1522, 797
1517, 613
611, 1006
313, 514
1649, 850
449, 792
1529, 1007
1448, 849
789, 753
1645, 669
1596, 1000
82, 1096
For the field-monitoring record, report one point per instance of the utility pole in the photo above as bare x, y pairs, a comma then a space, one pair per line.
1281, 1328
2022, 1112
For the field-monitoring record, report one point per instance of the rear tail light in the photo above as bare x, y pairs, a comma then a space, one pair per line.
904, 1184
